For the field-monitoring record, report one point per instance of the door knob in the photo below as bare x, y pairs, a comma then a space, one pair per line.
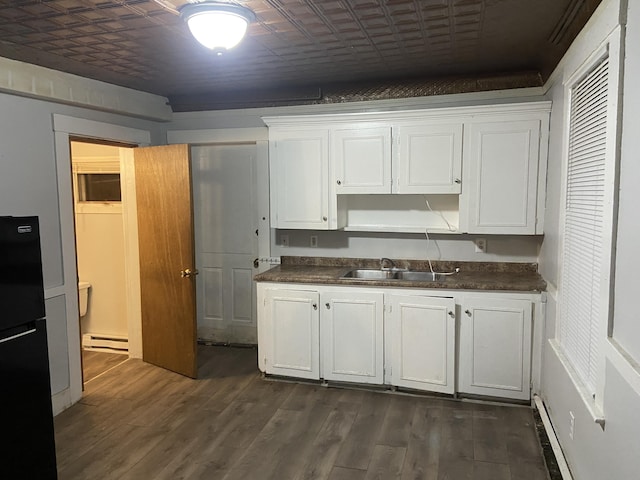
188, 273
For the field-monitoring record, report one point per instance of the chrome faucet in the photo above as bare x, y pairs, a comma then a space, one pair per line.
384, 260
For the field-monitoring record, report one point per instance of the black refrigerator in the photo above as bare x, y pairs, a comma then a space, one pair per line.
26, 417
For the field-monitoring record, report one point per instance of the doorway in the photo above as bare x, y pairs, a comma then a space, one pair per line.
225, 197
226, 216
100, 236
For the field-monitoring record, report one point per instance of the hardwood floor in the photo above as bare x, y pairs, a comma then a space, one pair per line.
94, 363
141, 422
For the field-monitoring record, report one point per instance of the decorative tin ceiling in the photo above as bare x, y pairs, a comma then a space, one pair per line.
299, 51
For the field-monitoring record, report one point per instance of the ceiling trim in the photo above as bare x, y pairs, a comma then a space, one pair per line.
27, 80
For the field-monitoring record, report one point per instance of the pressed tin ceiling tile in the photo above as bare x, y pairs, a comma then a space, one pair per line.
294, 43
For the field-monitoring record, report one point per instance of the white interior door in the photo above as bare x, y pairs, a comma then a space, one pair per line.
226, 221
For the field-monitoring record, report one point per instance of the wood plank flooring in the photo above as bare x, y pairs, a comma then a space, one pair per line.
140, 422
94, 362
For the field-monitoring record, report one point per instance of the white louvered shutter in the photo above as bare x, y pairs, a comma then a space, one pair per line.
581, 311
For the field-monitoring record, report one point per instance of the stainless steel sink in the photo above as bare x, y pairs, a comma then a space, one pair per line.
408, 275
364, 274
420, 276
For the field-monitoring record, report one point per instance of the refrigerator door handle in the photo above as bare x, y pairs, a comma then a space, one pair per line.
22, 334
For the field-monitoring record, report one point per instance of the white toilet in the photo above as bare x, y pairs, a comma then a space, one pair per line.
83, 294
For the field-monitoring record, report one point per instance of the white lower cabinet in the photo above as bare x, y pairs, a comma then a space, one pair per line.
422, 343
291, 333
351, 336
495, 346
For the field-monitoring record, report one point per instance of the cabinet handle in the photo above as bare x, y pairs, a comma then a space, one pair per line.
324, 219
315, 306
458, 181
451, 314
338, 182
467, 312
327, 305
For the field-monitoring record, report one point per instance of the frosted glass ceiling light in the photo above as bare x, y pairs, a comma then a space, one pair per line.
217, 25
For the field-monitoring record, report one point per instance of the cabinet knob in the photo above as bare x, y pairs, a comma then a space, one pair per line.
458, 181
451, 314
327, 305
324, 219
338, 182
467, 312
315, 306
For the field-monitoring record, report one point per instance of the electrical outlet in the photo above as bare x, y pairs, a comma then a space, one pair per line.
284, 240
481, 245
572, 424
313, 241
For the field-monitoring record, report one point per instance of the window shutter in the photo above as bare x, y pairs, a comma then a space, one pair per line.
583, 250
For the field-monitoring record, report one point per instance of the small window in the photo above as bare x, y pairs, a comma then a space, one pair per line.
99, 187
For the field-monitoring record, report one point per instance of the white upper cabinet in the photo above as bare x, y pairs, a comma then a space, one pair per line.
299, 178
486, 164
424, 158
362, 159
501, 194
428, 158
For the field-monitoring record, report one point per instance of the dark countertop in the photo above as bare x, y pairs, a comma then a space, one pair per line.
520, 277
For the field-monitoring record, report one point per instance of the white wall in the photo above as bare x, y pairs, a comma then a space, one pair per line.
100, 245
500, 248
29, 186
595, 453
626, 328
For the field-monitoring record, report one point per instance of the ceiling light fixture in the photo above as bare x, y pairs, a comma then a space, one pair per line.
218, 26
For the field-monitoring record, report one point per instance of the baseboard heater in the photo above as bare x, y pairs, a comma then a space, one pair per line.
105, 343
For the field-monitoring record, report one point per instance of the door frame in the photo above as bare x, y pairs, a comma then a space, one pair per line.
65, 127
260, 137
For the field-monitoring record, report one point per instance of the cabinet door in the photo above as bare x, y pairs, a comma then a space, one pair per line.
299, 175
352, 337
495, 347
501, 177
429, 159
362, 159
422, 342
292, 334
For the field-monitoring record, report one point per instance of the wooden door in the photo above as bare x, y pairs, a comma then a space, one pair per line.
167, 262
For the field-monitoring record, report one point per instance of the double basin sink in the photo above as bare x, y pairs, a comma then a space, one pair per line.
393, 274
